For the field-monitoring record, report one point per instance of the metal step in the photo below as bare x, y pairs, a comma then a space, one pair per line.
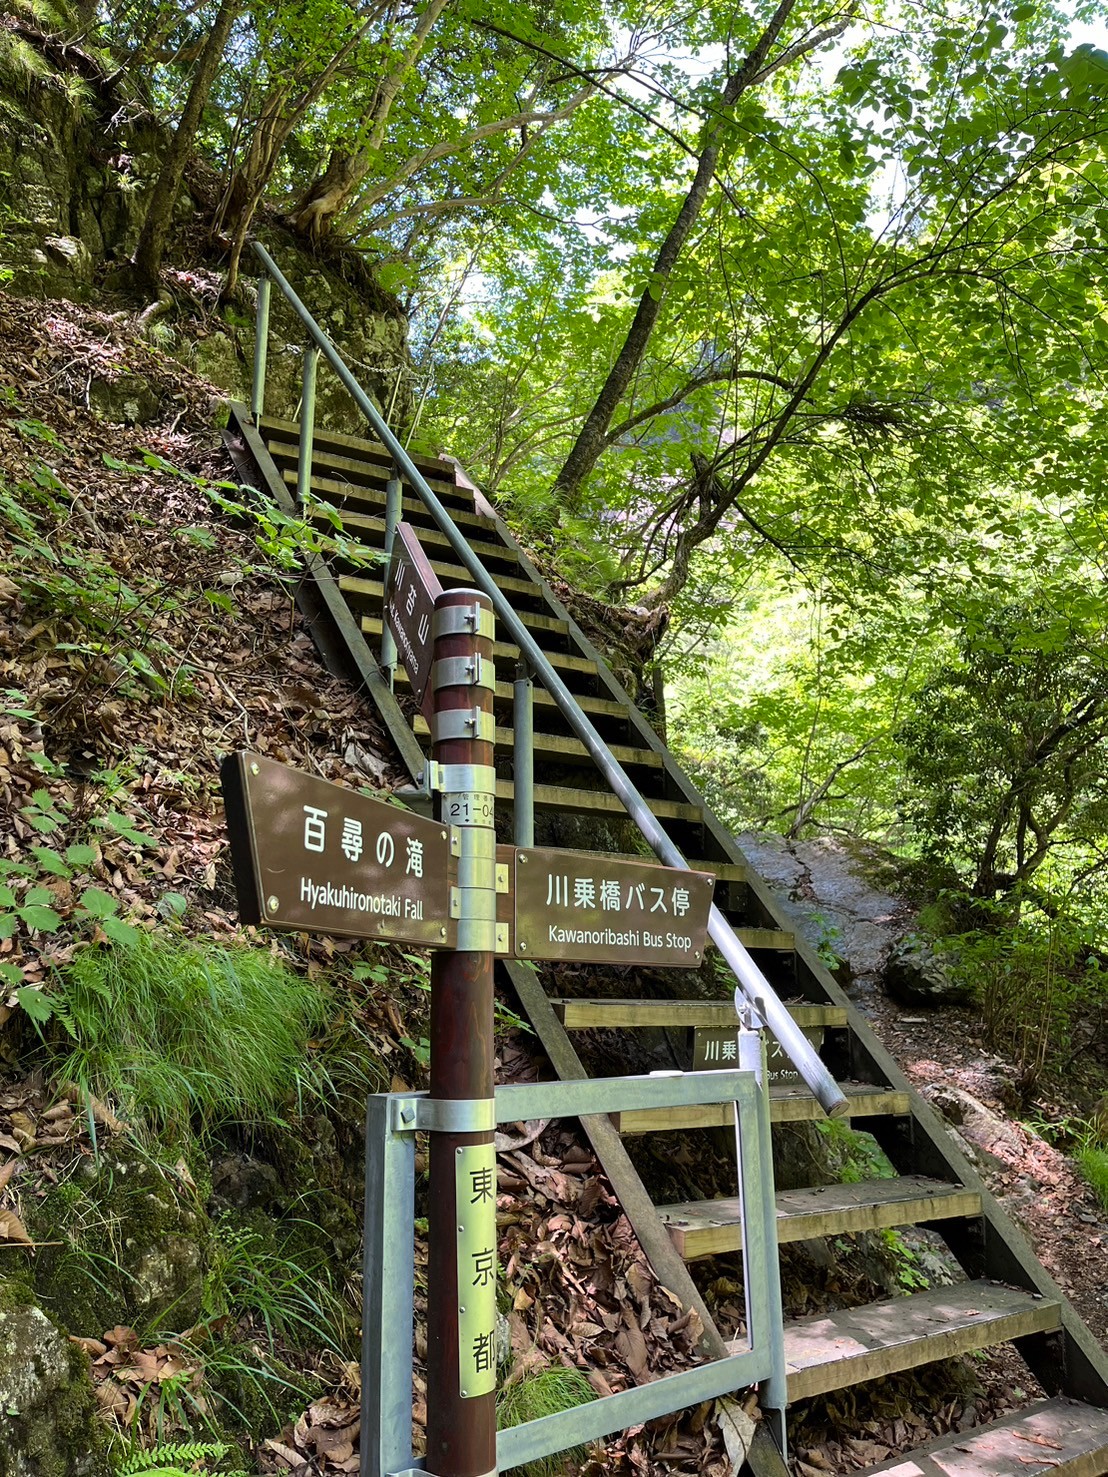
429, 538
577, 1015
830, 1351
598, 802
709, 1227
340, 493
506, 651
566, 750
786, 1105
362, 447
1063, 1437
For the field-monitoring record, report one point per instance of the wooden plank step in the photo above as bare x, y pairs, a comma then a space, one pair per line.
363, 446
333, 490
708, 1227
831, 1351
557, 746
786, 1105
581, 1014
428, 537
1060, 1436
603, 802
506, 651
365, 473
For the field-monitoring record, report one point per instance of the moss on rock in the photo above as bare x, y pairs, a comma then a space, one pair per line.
50, 1424
132, 1248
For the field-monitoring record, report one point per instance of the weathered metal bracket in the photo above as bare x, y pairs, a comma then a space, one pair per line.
417, 1113
464, 620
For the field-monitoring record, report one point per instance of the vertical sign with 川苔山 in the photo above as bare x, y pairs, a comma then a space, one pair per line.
314, 856
410, 593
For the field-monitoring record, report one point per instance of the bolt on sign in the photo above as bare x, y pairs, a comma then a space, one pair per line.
410, 593
313, 856
596, 909
718, 1046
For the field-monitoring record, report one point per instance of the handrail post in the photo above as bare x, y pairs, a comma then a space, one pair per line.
523, 757
774, 1391
394, 496
261, 344
307, 426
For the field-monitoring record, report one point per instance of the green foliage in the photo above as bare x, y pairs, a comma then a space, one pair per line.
1092, 1161
854, 1156
168, 1459
1034, 980
284, 1291
906, 1264
1004, 748
176, 1032
544, 1392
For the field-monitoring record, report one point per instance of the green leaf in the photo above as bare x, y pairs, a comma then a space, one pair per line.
80, 854
50, 861
8, 925
7, 897
35, 1003
43, 919
118, 931
173, 902
11, 974
98, 903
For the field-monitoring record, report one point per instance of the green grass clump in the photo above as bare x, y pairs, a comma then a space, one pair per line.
175, 1032
1093, 1164
546, 1392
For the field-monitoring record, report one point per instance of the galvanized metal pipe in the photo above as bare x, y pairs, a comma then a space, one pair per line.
755, 1150
307, 426
523, 758
394, 504
751, 980
261, 345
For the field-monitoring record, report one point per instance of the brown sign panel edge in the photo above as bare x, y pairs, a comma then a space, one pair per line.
408, 547
247, 869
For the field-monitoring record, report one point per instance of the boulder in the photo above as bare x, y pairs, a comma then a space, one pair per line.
917, 973
49, 1418
130, 1245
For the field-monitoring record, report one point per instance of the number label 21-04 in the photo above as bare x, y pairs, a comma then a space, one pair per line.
467, 808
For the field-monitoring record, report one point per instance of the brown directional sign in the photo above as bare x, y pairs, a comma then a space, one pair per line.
410, 594
313, 856
585, 906
718, 1046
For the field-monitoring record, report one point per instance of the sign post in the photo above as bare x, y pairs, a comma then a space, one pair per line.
462, 1252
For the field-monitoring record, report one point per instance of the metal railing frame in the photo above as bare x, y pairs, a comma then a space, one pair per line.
393, 1120
753, 985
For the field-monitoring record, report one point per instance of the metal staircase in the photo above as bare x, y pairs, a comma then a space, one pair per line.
1008, 1296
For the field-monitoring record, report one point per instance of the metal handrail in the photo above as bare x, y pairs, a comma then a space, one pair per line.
755, 988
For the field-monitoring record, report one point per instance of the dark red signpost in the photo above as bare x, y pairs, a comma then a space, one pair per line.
461, 1274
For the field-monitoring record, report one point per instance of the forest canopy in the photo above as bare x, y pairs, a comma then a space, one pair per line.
785, 323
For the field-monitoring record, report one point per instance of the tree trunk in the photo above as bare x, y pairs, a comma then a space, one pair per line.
159, 212
591, 440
